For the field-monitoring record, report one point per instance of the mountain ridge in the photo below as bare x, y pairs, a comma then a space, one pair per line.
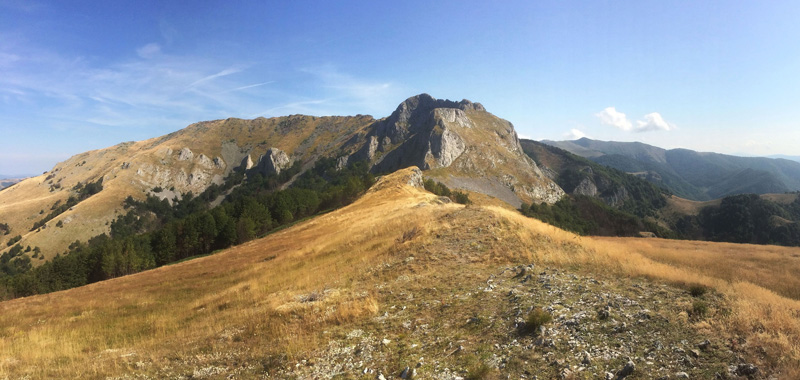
693, 175
458, 143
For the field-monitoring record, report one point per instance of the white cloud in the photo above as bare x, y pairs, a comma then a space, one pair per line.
653, 122
574, 134
610, 116
149, 51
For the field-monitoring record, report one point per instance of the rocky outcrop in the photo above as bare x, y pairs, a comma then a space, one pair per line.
586, 187
247, 163
273, 161
422, 132
443, 148
411, 116
618, 197
185, 154
459, 136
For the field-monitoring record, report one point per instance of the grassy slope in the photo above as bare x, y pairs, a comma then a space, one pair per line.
266, 305
21, 204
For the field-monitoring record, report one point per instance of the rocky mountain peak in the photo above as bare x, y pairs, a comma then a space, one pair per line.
415, 111
475, 149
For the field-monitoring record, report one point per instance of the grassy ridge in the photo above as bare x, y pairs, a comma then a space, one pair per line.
152, 233
268, 304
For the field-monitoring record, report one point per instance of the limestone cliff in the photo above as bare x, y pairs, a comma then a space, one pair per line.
459, 143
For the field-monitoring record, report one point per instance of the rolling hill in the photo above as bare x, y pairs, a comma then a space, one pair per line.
693, 175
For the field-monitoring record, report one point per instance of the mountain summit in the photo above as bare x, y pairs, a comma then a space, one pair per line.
457, 143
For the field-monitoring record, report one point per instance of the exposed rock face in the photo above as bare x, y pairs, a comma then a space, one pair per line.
219, 163
444, 148
618, 197
413, 115
586, 187
205, 161
420, 132
185, 154
247, 163
274, 161
433, 134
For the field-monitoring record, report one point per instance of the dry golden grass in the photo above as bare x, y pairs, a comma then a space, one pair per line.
270, 299
753, 277
681, 206
273, 294
149, 165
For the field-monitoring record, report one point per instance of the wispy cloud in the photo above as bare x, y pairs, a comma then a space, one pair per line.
149, 51
27, 6
223, 73
347, 91
652, 121
248, 86
73, 100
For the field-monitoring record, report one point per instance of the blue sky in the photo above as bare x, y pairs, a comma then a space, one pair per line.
718, 76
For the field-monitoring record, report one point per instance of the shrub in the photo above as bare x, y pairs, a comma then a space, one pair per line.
480, 372
699, 308
460, 197
441, 189
697, 290
536, 319
14, 240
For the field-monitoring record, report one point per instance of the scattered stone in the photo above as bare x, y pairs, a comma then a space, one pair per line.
587, 359
630, 366
682, 375
704, 345
695, 353
385, 341
406, 373
746, 369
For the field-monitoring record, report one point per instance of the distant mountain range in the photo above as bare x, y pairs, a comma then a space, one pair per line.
7, 180
689, 174
785, 157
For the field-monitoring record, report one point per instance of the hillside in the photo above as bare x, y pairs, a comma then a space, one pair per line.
403, 281
580, 176
458, 143
689, 174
